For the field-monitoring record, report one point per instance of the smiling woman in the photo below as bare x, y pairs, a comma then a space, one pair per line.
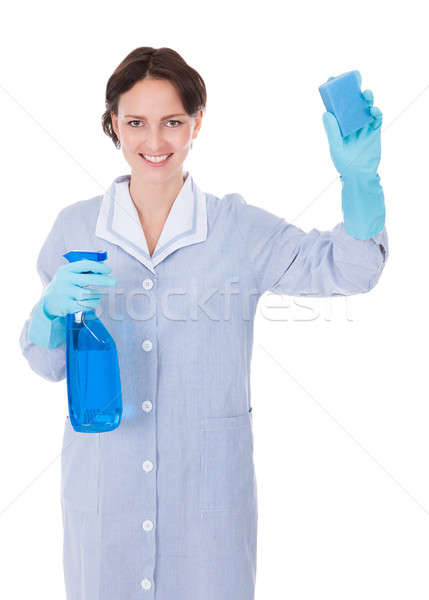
163, 64
165, 505
156, 138
154, 107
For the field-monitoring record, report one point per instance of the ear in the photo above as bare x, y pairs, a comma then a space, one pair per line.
198, 123
114, 120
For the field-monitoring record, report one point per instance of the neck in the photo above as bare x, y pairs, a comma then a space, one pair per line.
154, 200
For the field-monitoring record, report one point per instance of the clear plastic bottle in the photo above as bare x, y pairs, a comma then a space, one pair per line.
93, 378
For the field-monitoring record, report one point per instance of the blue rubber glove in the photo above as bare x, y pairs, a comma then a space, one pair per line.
67, 294
356, 157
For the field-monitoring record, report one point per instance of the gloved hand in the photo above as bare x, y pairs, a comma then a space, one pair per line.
356, 157
67, 294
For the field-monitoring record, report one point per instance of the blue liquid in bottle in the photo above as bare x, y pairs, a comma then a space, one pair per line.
93, 378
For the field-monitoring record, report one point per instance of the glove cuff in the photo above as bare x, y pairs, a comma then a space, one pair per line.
363, 204
46, 331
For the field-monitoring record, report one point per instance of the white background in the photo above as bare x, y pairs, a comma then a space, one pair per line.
339, 387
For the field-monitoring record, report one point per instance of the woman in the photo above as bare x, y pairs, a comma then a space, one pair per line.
165, 506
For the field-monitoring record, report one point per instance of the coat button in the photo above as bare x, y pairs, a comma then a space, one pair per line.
146, 584
148, 284
147, 525
147, 345
147, 466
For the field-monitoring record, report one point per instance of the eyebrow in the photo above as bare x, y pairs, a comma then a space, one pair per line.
162, 118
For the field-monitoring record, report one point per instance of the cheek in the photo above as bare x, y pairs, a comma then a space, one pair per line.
182, 139
130, 138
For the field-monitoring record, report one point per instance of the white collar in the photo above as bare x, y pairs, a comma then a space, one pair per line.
118, 221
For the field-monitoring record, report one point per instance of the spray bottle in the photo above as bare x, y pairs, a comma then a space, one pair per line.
93, 378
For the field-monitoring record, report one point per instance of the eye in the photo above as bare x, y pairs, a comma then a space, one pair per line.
170, 121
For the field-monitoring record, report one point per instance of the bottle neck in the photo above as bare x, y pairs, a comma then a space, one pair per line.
88, 314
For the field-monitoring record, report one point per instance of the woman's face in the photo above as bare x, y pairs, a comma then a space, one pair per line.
152, 122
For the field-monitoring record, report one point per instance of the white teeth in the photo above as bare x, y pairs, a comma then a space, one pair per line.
156, 159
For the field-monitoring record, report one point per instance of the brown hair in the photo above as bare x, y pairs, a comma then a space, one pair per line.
158, 63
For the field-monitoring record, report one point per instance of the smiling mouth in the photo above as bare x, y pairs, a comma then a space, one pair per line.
156, 160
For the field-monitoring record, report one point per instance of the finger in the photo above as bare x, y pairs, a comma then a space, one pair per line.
80, 293
74, 306
80, 266
88, 301
95, 279
79, 305
359, 77
376, 112
77, 292
368, 97
378, 117
332, 129
363, 131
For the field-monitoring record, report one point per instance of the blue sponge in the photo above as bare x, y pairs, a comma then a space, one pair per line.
342, 97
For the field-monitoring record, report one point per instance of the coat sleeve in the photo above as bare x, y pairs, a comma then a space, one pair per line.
49, 363
287, 260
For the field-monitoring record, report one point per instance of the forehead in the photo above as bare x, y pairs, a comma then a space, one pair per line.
151, 97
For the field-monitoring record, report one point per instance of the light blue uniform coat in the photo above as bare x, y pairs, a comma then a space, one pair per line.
165, 506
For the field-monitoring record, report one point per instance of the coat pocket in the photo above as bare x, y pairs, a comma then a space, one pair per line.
227, 468
80, 468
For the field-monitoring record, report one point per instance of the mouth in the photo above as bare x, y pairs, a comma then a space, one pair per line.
156, 161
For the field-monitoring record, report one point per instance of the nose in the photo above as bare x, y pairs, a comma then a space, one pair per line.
153, 141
